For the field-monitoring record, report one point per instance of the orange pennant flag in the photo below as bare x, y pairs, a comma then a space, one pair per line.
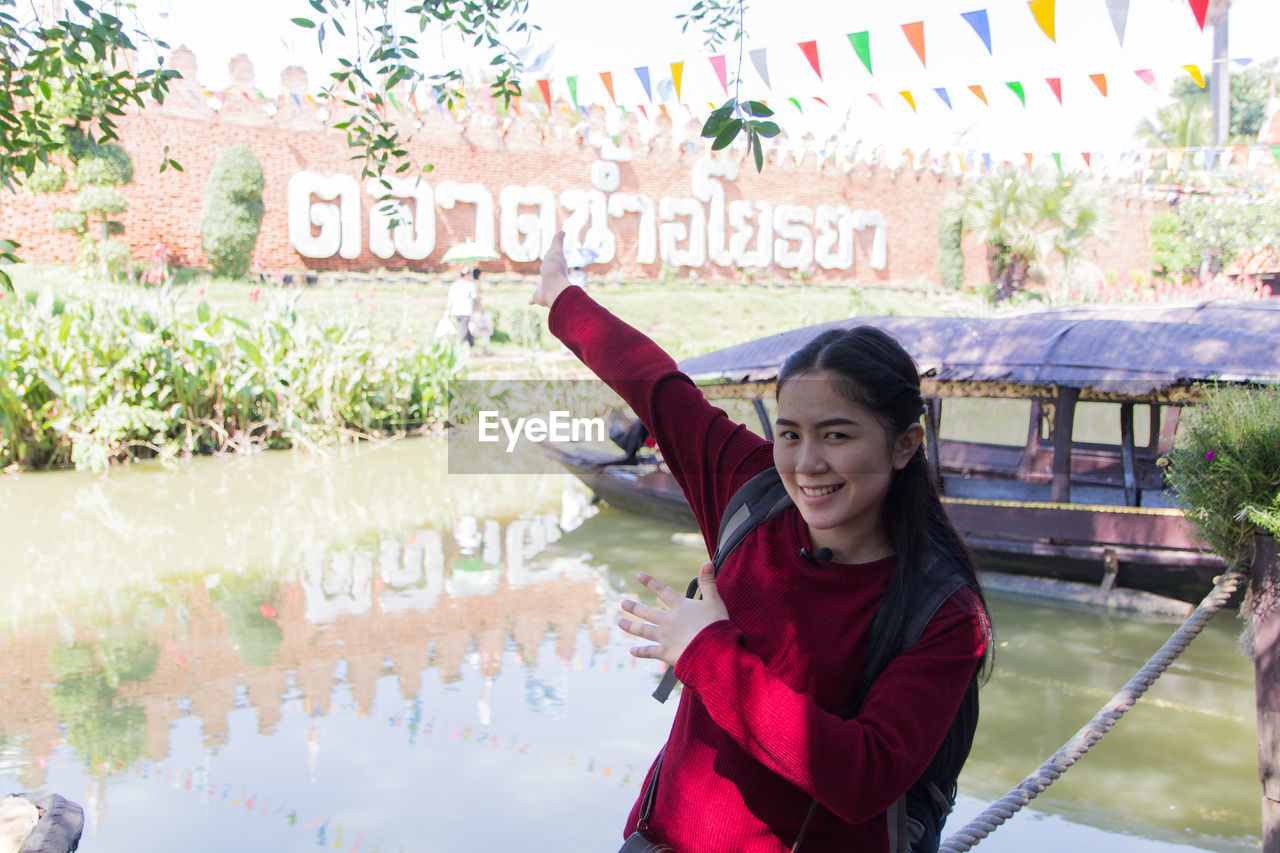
909, 99
665, 114
982, 96
677, 71
1100, 80
915, 35
1028, 155
1042, 11
607, 78
1194, 71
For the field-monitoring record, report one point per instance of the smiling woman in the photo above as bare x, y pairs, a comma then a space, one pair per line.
801, 725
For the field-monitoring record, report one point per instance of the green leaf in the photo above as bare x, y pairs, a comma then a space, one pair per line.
759, 154
304, 22
766, 128
756, 108
727, 134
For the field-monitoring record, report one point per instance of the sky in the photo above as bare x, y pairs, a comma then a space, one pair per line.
580, 39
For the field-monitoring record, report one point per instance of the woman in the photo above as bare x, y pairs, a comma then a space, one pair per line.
771, 655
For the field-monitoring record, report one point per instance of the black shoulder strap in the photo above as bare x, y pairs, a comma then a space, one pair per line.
755, 502
939, 582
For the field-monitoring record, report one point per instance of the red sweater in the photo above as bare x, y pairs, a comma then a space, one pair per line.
757, 735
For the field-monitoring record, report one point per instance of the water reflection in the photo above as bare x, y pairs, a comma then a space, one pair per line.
358, 652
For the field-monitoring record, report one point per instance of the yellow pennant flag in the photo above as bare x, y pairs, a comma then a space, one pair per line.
1175, 160
1042, 11
677, 71
910, 100
1194, 71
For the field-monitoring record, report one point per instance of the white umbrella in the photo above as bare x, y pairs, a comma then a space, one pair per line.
469, 253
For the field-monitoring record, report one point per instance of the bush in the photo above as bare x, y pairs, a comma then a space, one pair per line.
46, 178
1171, 255
232, 215
1224, 467
950, 255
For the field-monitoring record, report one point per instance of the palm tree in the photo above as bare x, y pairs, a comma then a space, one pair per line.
1185, 123
1023, 217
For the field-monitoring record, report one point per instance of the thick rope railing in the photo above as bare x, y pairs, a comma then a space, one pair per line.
1106, 718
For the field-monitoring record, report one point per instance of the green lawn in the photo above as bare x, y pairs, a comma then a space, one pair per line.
684, 318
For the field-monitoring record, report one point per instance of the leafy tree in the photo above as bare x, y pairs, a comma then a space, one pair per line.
1171, 254
1188, 121
44, 59
233, 209
950, 254
1023, 217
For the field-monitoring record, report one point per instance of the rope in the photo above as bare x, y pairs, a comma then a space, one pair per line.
1106, 718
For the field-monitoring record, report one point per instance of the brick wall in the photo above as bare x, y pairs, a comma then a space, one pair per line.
527, 148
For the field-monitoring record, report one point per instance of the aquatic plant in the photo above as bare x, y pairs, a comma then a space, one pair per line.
89, 384
1224, 467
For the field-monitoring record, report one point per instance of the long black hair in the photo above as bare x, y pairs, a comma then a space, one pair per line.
875, 372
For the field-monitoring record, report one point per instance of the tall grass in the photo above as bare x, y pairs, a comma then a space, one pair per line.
86, 383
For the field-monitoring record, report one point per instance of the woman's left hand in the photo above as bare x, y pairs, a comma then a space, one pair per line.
672, 628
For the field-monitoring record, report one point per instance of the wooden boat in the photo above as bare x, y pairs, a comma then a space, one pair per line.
1046, 430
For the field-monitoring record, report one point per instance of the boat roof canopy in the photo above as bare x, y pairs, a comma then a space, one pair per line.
1130, 351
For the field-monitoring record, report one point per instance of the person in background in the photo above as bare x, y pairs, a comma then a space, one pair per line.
464, 295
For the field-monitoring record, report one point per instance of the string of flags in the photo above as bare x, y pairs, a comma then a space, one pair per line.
663, 94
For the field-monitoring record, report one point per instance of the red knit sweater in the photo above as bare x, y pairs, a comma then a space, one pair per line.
757, 734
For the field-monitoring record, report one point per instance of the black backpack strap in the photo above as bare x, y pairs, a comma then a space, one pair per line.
755, 502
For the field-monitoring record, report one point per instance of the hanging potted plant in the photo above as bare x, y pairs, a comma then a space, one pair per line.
1224, 467
1225, 472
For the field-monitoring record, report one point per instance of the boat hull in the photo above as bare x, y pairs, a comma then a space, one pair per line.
1153, 550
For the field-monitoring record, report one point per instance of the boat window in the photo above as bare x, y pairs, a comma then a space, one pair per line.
985, 420
1099, 423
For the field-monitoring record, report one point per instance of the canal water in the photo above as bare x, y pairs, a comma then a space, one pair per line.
358, 651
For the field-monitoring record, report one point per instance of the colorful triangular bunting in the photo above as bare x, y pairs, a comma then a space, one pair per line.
1119, 10
677, 72
873, 96
981, 26
573, 90
545, 87
1100, 80
915, 35
606, 77
810, 51
942, 93
1146, 75
1016, 88
1055, 85
717, 62
1200, 8
906, 95
862, 46
1194, 71
1042, 11
759, 59
981, 95
643, 73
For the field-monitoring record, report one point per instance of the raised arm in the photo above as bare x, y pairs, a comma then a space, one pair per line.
707, 452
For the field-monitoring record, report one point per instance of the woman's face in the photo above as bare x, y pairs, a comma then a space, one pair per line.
836, 461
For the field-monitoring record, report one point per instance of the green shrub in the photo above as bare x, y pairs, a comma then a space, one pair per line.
46, 178
950, 255
1171, 255
1224, 467
232, 215
107, 164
